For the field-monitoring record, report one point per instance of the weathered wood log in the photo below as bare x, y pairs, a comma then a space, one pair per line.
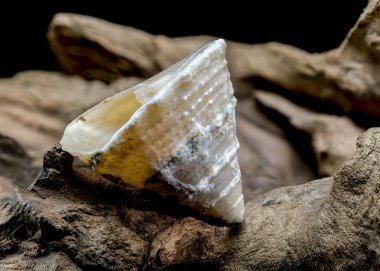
331, 137
16, 167
75, 218
346, 77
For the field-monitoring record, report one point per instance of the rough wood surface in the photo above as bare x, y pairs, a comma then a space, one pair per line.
332, 137
346, 77
97, 49
266, 157
73, 217
15, 167
70, 218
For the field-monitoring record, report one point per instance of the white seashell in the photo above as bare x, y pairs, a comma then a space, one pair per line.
180, 124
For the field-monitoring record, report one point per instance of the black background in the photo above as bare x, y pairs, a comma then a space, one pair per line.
312, 25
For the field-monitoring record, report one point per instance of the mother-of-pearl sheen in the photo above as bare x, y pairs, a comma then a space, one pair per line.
179, 124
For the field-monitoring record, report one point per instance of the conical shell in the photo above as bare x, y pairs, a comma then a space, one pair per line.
180, 124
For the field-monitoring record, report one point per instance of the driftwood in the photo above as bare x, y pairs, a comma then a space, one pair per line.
332, 137
72, 218
346, 77
16, 167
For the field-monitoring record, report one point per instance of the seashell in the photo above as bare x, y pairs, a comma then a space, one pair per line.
179, 124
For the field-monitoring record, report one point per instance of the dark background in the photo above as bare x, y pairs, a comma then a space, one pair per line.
312, 25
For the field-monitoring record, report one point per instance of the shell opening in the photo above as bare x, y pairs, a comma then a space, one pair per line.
101, 123
94, 129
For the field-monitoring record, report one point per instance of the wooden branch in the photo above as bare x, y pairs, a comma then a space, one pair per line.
331, 137
346, 77
72, 214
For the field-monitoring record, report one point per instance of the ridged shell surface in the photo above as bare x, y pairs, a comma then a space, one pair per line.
180, 125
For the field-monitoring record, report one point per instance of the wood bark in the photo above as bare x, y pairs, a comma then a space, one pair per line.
75, 218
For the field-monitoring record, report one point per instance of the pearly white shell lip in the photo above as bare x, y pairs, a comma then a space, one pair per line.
168, 79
